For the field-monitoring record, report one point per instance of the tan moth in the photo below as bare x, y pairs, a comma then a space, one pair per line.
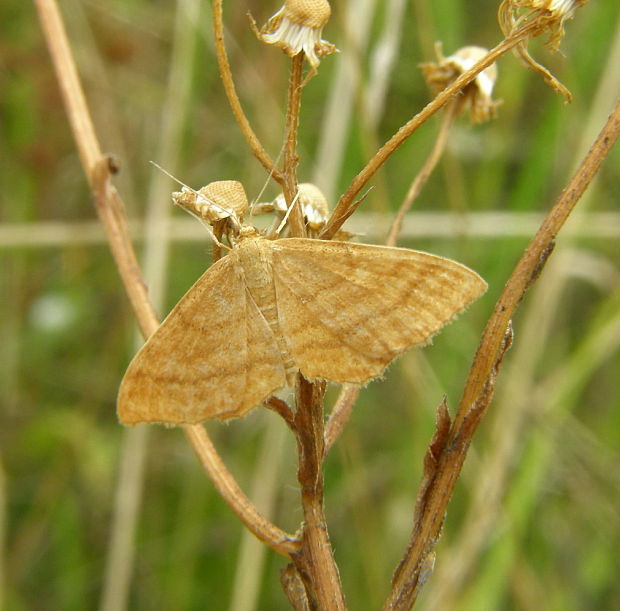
335, 311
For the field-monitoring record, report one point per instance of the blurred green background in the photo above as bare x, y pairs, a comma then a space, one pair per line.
535, 520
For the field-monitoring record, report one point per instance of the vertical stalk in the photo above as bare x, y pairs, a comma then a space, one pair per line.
315, 561
425, 172
289, 186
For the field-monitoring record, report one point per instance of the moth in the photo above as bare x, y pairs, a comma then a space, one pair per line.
336, 311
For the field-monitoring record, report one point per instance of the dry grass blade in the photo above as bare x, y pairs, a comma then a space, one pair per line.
424, 174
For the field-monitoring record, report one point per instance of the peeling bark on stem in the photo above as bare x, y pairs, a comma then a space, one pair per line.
314, 562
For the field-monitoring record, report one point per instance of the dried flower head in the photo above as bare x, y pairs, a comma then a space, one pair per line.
477, 96
297, 27
313, 205
549, 16
223, 202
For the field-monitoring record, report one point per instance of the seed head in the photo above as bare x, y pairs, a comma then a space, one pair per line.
297, 27
549, 16
313, 205
555, 12
477, 96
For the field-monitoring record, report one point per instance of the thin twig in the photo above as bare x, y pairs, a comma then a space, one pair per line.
340, 414
484, 369
283, 409
262, 528
233, 99
425, 171
111, 212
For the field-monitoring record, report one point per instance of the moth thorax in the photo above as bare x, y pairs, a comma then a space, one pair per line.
247, 231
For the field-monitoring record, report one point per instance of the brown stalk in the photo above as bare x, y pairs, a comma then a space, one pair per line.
111, 212
381, 156
283, 409
340, 414
290, 158
425, 171
314, 562
233, 99
479, 387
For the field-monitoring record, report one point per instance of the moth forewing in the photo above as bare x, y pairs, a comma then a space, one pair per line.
212, 357
336, 311
348, 310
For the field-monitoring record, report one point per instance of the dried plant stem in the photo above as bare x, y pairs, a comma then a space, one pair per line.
111, 212
531, 263
233, 99
340, 414
73, 96
344, 207
290, 159
314, 562
262, 528
423, 175
478, 389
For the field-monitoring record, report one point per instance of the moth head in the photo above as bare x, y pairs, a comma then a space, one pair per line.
219, 202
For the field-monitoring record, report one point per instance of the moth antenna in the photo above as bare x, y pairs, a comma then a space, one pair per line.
170, 175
